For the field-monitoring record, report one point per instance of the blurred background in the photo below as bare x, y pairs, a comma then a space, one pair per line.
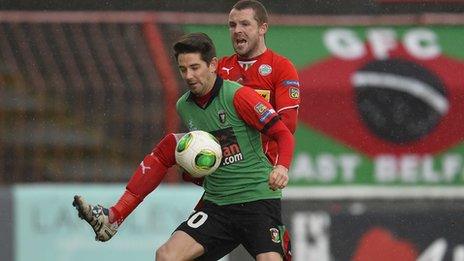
87, 88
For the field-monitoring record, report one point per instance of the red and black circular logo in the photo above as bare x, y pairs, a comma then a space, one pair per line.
400, 104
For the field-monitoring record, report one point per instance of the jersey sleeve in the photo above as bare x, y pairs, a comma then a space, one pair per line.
289, 118
287, 86
254, 109
285, 143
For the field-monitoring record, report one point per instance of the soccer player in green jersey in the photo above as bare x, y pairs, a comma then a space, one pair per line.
242, 197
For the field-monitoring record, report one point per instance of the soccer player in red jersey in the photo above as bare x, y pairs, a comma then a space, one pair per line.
254, 65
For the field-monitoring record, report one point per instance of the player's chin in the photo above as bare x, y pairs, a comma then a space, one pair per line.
194, 88
240, 49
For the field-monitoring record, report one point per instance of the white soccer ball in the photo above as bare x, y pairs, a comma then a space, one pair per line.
198, 153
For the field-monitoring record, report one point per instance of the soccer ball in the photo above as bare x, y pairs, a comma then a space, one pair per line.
198, 153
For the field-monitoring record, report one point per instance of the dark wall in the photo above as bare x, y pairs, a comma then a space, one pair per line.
283, 7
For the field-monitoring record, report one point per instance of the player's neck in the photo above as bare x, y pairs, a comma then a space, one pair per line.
253, 55
210, 85
202, 98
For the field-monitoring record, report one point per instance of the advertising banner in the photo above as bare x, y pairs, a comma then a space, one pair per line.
379, 105
46, 226
376, 229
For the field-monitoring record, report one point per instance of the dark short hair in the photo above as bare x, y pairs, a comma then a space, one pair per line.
261, 15
195, 43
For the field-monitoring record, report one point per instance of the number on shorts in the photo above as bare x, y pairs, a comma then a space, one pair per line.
194, 223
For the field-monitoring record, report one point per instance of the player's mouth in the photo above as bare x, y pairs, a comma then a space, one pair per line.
240, 43
191, 84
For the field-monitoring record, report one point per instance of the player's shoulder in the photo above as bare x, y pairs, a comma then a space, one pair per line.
227, 59
183, 98
245, 92
279, 58
231, 84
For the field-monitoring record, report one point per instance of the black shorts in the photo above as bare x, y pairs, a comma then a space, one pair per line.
256, 225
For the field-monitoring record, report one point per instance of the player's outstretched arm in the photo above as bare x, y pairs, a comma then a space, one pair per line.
97, 217
146, 178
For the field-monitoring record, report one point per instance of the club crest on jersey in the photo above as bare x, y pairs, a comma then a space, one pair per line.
294, 93
222, 116
260, 108
265, 69
275, 235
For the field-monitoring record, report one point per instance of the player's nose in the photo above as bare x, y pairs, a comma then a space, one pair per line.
238, 29
188, 74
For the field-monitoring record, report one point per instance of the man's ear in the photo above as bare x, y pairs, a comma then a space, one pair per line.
213, 64
263, 28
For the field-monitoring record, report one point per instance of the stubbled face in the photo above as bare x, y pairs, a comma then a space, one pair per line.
246, 35
198, 75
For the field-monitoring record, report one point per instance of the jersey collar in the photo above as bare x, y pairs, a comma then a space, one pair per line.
214, 92
254, 58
